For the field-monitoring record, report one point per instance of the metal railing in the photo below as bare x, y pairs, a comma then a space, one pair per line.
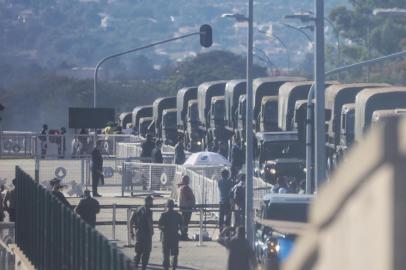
52, 236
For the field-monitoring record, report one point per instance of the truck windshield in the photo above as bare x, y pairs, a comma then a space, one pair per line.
219, 110
270, 112
282, 149
193, 113
296, 212
169, 120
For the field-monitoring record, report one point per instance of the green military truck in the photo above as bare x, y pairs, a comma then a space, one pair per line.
169, 130
205, 93
234, 90
143, 125
158, 107
138, 113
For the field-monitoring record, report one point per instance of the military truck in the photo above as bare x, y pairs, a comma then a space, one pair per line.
194, 137
169, 130
216, 131
346, 131
138, 113
370, 100
234, 90
183, 97
205, 94
336, 96
268, 86
268, 114
382, 115
241, 122
158, 106
124, 119
143, 125
280, 155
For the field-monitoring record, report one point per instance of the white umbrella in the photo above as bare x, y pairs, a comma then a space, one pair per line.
207, 158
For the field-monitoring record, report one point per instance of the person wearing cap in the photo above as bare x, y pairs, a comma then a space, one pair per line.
170, 223
224, 185
187, 201
97, 168
88, 208
141, 222
147, 147
56, 191
9, 202
43, 140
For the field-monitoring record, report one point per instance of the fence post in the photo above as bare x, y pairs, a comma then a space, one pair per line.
201, 227
129, 226
82, 172
123, 178
114, 221
150, 178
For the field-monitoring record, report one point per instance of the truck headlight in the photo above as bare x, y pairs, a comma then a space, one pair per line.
305, 169
272, 171
199, 143
273, 248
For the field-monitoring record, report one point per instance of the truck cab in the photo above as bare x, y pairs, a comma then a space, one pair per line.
346, 130
158, 107
143, 125
280, 154
183, 97
169, 131
125, 120
194, 136
268, 115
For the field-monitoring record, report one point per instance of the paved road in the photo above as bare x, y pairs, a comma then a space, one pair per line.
210, 256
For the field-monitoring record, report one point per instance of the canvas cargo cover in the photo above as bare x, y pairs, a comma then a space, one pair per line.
183, 96
234, 89
373, 99
139, 112
161, 104
205, 92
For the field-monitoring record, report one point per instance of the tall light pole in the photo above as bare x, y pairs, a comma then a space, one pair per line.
205, 40
272, 35
249, 219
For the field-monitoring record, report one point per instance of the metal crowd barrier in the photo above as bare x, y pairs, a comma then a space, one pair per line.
52, 236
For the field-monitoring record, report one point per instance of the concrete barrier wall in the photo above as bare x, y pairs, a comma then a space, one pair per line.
358, 220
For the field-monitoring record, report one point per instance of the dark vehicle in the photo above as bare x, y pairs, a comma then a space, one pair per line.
370, 100
194, 136
125, 119
268, 86
138, 113
280, 155
158, 107
169, 131
183, 97
241, 123
234, 90
205, 93
383, 115
144, 123
283, 218
336, 96
217, 132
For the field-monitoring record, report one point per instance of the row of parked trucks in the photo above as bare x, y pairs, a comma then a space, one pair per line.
213, 113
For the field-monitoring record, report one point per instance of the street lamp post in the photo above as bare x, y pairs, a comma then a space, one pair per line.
272, 35
204, 30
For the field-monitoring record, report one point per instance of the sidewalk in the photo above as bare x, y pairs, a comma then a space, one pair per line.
210, 256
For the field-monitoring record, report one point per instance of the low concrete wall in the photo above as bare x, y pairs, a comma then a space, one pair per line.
358, 220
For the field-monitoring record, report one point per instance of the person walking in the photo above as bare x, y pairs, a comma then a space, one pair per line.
170, 223
9, 202
156, 153
180, 156
56, 191
241, 255
225, 185
238, 193
43, 140
187, 201
141, 222
147, 147
88, 208
97, 168
237, 158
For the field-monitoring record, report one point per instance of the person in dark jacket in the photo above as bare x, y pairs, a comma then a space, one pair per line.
157, 153
170, 223
147, 147
180, 156
56, 191
88, 208
97, 168
141, 222
237, 158
241, 255
224, 185
43, 140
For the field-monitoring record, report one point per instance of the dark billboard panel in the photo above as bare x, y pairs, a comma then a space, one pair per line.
90, 117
